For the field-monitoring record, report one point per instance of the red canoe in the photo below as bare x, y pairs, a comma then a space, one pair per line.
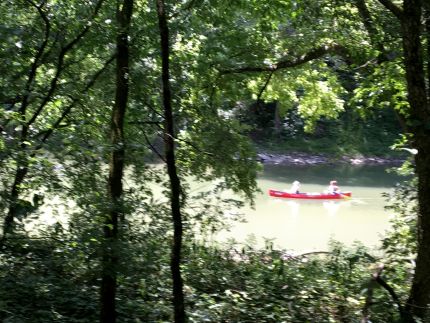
310, 196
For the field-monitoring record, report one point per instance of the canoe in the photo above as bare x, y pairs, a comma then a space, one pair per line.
310, 196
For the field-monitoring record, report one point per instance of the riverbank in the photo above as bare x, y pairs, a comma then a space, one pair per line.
299, 158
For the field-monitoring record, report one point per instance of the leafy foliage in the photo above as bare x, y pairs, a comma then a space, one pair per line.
55, 92
237, 283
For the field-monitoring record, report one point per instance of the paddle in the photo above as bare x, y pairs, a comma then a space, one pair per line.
344, 196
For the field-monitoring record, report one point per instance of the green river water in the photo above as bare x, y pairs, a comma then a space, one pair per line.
308, 225
304, 225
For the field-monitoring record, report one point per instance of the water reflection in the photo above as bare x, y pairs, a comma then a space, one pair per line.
294, 208
331, 207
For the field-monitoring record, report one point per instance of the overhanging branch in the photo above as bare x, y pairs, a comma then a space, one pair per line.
288, 63
393, 8
372, 31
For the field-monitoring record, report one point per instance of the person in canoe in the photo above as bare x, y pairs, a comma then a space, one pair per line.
295, 187
333, 188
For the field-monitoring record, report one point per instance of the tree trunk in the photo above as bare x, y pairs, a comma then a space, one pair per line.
20, 174
419, 298
116, 168
277, 119
427, 58
175, 185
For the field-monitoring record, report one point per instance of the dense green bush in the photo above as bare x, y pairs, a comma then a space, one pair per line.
44, 282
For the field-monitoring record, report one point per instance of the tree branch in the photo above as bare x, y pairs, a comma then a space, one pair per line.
311, 253
152, 147
369, 301
265, 86
187, 7
393, 8
368, 23
67, 110
60, 64
282, 64
189, 143
427, 35
39, 54
157, 123
377, 278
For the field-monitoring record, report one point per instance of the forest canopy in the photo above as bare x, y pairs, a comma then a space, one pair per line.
109, 107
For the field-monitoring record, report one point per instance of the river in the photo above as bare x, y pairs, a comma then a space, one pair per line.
308, 225
304, 225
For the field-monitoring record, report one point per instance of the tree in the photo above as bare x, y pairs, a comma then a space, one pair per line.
175, 184
416, 116
116, 166
418, 121
27, 122
410, 97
